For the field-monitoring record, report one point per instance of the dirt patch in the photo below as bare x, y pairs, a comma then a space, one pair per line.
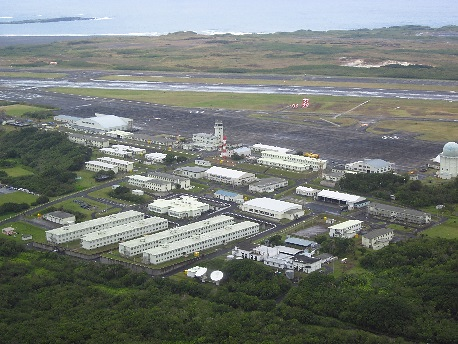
311, 232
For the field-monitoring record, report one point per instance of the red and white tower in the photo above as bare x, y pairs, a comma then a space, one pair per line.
224, 154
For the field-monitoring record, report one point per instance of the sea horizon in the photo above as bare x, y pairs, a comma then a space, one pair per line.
236, 17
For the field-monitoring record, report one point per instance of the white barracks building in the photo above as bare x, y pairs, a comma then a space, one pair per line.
78, 230
123, 232
133, 247
291, 161
187, 246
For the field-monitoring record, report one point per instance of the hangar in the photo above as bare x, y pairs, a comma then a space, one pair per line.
351, 201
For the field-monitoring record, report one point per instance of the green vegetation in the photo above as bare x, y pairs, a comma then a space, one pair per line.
411, 193
429, 52
402, 293
50, 155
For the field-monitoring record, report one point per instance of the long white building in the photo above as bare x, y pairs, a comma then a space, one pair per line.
181, 207
291, 162
150, 183
116, 152
273, 208
198, 243
78, 230
228, 176
96, 166
133, 247
122, 165
123, 232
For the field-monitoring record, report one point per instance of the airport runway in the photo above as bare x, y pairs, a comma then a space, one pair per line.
333, 143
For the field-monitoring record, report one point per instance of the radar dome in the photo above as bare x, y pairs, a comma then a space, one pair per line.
450, 149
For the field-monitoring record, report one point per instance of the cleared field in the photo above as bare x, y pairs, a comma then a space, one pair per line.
425, 130
447, 230
17, 171
18, 110
32, 75
37, 233
17, 197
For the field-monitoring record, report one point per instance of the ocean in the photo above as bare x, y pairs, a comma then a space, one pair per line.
160, 17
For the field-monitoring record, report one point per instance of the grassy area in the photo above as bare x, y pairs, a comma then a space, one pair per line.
18, 110
38, 234
17, 171
17, 197
426, 130
447, 230
32, 75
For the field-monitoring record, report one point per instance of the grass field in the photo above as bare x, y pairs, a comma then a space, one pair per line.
447, 230
425, 130
17, 171
17, 110
17, 197
32, 75
37, 233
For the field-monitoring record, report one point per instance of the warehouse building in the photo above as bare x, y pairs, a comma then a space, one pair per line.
268, 185
291, 162
122, 165
347, 229
273, 208
133, 247
228, 176
123, 232
398, 214
184, 247
181, 207
378, 238
96, 166
78, 230
370, 166
344, 199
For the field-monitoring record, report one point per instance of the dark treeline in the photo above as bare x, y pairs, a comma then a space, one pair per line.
412, 193
408, 293
50, 155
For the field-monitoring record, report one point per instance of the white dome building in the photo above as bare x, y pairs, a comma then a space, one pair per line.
449, 161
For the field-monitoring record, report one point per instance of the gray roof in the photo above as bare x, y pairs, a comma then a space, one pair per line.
378, 232
269, 181
60, 214
398, 209
166, 176
299, 242
194, 169
376, 163
301, 258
